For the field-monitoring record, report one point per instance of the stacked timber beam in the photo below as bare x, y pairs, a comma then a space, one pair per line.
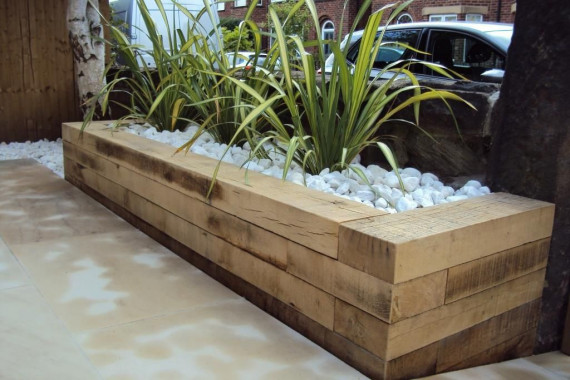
396, 296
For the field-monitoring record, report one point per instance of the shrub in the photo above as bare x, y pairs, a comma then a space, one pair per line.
237, 39
190, 82
331, 119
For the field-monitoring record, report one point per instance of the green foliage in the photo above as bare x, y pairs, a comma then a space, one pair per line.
296, 23
230, 22
333, 118
190, 82
156, 96
315, 120
237, 39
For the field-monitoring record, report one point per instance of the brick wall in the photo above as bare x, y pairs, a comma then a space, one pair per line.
333, 9
327, 9
415, 10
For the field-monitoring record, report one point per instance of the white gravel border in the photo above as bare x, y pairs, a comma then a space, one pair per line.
421, 189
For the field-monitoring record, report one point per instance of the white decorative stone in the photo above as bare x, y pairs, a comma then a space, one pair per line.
455, 198
427, 179
411, 183
354, 185
343, 188
405, 204
396, 194
473, 183
447, 191
411, 172
380, 203
377, 171
366, 195
391, 179
437, 197
437, 185
293, 177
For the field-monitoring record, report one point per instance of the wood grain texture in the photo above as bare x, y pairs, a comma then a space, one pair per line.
390, 341
484, 336
383, 300
362, 328
417, 296
418, 363
517, 347
475, 276
303, 215
228, 227
404, 246
37, 90
452, 318
314, 303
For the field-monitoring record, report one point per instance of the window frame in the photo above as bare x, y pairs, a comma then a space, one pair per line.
478, 16
238, 2
443, 17
325, 30
463, 65
405, 14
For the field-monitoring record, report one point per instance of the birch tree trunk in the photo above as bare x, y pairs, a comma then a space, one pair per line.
86, 37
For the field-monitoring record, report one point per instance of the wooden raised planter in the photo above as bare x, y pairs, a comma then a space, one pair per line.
396, 296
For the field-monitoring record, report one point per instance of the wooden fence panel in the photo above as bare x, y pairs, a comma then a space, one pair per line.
37, 89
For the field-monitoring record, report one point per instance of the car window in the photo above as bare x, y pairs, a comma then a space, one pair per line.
463, 54
390, 51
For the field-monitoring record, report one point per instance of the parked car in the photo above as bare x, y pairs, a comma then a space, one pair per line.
245, 59
477, 51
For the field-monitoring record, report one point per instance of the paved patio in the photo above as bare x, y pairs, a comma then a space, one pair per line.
84, 295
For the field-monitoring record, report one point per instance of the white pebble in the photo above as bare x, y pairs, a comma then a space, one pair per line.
366, 195
447, 191
411, 183
473, 183
455, 198
380, 203
412, 172
405, 204
427, 179
391, 179
377, 171
343, 188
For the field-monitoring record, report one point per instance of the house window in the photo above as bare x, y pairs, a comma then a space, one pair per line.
327, 34
239, 3
474, 17
448, 17
221, 6
404, 18
259, 3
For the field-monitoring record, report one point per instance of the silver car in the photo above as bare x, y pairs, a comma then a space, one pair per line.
476, 51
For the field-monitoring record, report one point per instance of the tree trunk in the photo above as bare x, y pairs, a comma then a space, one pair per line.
530, 152
86, 37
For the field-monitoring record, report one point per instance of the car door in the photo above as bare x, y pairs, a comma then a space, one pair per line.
463, 53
